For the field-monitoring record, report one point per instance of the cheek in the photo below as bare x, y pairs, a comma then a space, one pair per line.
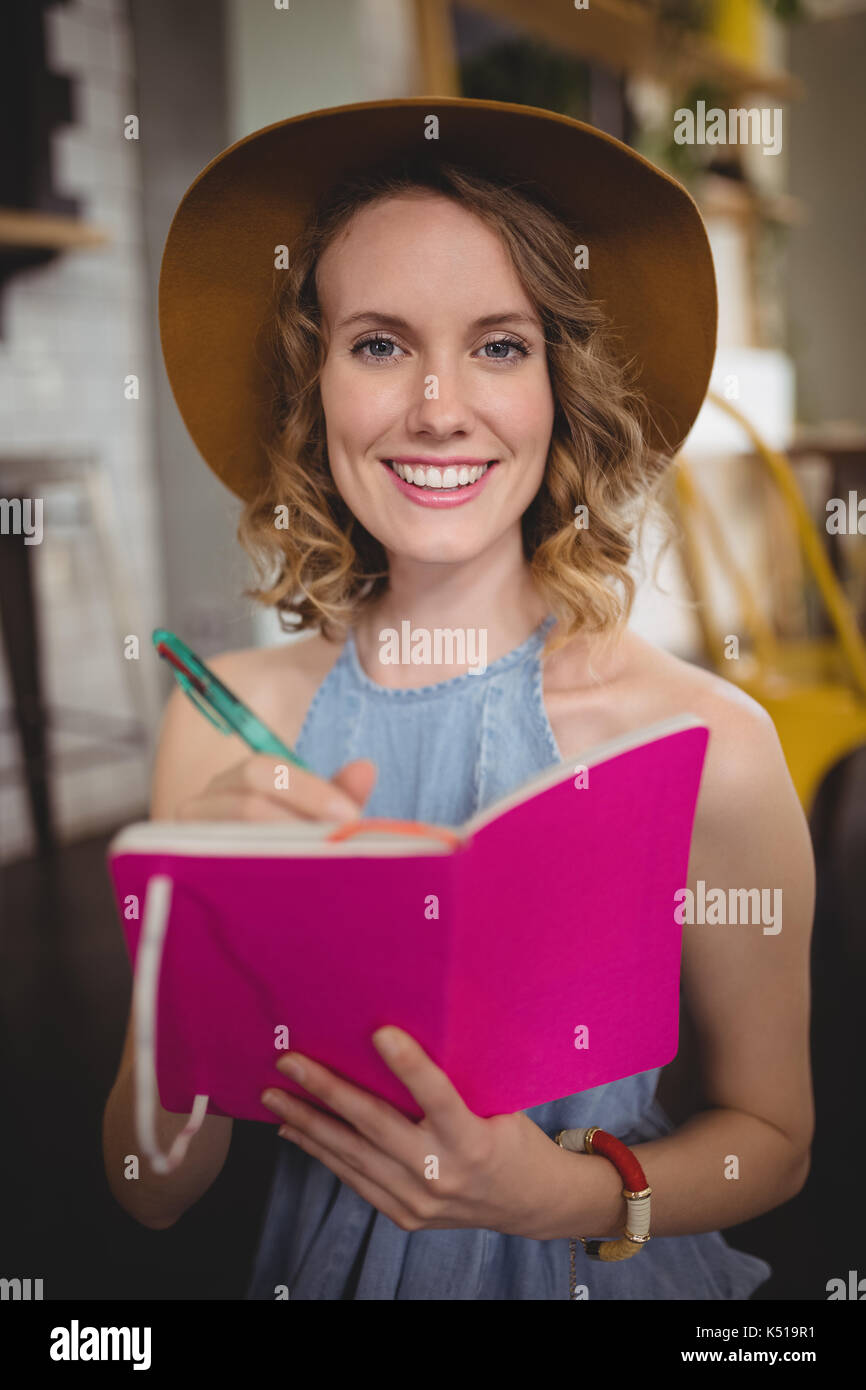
525, 417
355, 407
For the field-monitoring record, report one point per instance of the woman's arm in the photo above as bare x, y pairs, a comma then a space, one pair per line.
157, 1200
747, 991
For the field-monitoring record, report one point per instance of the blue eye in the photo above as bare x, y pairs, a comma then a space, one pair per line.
375, 348
503, 345
374, 343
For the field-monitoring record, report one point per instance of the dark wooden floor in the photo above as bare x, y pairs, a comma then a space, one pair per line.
64, 998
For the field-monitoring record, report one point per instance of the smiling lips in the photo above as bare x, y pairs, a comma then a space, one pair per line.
438, 481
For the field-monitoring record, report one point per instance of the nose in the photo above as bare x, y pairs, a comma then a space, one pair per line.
440, 406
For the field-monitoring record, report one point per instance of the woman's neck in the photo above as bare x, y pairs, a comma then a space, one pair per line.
490, 599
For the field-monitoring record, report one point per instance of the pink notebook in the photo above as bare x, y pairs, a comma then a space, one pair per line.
534, 956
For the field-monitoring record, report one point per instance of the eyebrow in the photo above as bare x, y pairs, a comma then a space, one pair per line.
394, 321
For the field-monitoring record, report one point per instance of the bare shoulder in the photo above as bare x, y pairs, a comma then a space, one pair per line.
745, 768
740, 728
279, 677
634, 684
629, 684
277, 682
748, 809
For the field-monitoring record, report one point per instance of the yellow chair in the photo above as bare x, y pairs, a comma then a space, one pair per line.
813, 688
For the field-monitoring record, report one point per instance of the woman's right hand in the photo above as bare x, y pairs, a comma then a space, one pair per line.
249, 791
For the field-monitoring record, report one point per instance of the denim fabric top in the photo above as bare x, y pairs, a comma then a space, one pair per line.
444, 751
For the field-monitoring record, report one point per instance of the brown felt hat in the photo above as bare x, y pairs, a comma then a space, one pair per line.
649, 256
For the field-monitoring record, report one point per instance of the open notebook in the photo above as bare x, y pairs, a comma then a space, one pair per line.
532, 951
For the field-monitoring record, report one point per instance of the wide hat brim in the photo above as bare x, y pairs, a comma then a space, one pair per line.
650, 262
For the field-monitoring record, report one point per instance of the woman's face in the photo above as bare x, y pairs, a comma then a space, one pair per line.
435, 359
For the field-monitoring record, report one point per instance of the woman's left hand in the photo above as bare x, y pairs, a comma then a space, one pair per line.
449, 1169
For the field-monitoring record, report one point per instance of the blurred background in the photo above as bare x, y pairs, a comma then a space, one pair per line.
109, 110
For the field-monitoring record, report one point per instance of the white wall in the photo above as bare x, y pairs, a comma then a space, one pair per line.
316, 53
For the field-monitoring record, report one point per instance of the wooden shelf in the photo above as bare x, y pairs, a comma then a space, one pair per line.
627, 37
24, 230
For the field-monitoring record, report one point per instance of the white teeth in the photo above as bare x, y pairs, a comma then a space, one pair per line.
424, 476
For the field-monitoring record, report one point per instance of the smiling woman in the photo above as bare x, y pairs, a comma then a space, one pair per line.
441, 389
483, 329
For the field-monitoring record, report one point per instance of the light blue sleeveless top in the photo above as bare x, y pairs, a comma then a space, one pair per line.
443, 752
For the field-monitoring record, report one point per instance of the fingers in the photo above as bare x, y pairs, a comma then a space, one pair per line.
365, 1187
443, 1107
357, 779
298, 792
234, 806
380, 1123
261, 787
340, 1142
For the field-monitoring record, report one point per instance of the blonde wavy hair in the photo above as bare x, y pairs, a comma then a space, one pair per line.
325, 567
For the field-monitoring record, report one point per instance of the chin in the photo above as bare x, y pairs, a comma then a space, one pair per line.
434, 552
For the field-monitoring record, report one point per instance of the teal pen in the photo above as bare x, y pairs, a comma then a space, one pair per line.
229, 714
